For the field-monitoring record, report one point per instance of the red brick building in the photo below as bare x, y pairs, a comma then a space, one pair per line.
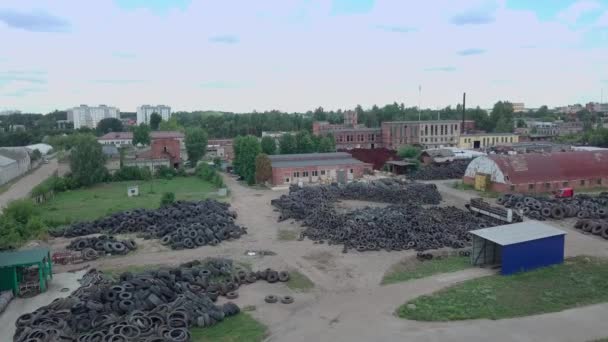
316, 168
540, 172
222, 148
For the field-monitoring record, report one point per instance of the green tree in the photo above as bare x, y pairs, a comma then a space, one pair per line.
287, 144
155, 120
521, 123
408, 152
327, 144
263, 168
168, 198
269, 146
87, 161
304, 143
196, 144
246, 150
108, 125
502, 117
171, 125
141, 134
35, 155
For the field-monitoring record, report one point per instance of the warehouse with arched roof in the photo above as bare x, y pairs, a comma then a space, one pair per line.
538, 172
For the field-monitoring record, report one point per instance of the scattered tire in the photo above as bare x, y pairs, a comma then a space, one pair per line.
271, 299
287, 300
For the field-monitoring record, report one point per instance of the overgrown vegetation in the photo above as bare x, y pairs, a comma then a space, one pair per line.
209, 174
168, 198
287, 235
196, 144
579, 281
299, 282
239, 328
246, 150
263, 168
19, 223
87, 161
413, 269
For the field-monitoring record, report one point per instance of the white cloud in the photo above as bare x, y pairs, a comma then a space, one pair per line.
602, 21
575, 11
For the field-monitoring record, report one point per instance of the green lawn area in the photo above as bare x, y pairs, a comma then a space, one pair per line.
239, 328
578, 282
414, 269
299, 282
107, 198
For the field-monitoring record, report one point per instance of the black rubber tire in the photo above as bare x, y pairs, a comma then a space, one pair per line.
283, 276
271, 299
597, 228
272, 277
232, 295
545, 212
587, 226
287, 299
558, 213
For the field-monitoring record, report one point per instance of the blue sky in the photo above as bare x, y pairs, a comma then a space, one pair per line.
296, 55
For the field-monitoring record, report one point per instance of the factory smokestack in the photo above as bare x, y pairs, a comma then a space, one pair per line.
464, 104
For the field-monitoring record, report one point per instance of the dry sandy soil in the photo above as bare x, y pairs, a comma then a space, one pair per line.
347, 303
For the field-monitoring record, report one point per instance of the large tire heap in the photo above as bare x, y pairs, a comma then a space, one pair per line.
541, 208
153, 306
396, 227
451, 170
595, 227
387, 190
180, 225
103, 244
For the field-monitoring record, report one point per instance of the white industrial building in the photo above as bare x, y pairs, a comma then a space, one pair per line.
85, 116
144, 113
14, 161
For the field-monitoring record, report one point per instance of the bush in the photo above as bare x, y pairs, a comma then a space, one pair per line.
167, 199
408, 151
19, 223
20, 210
166, 172
128, 173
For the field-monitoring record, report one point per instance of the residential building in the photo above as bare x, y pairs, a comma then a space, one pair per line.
518, 107
539, 172
144, 113
596, 107
85, 116
221, 148
126, 138
485, 140
429, 134
316, 168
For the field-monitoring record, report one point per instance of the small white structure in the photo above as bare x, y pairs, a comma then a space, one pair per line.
9, 170
133, 191
44, 149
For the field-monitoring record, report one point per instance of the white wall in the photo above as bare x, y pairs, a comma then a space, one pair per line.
8, 173
487, 166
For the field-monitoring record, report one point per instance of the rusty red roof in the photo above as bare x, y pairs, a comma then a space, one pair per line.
547, 167
153, 135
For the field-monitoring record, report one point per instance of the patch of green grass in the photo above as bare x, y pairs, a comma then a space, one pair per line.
287, 235
299, 282
108, 198
462, 186
601, 340
239, 328
579, 281
414, 269
115, 272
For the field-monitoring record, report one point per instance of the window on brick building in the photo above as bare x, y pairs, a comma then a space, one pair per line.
582, 182
351, 170
296, 174
599, 181
315, 173
322, 172
565, 184
305, 174
530, 186
547, 185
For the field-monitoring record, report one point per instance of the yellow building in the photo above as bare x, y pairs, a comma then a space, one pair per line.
484, 140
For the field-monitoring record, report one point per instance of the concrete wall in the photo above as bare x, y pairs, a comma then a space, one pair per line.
315, 174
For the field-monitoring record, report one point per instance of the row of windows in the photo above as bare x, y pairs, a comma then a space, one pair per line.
440, 129
359, 137
581, 182
442, 139
314, 173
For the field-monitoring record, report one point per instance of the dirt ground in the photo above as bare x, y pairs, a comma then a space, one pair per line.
24, 185
347, 303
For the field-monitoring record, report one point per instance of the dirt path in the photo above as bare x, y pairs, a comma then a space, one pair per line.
347, 303
23, 186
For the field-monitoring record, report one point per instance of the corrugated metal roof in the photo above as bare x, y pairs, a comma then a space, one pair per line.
510, 234
547, 167
4, 161
316, 162
23, 257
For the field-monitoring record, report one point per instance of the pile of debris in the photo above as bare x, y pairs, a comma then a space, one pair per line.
595, 227
396, 227
451, 170
104, 244
541, 208
179, 225
158, 305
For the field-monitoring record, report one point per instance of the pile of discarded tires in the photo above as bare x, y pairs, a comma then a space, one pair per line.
5, 298
396, 227
103, 244
595, 227
451, 170
541, 208
152, 306
179, 225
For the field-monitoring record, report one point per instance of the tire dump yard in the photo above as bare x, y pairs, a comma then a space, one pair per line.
363, 261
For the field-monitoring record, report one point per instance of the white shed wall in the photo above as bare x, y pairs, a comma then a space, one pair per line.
487, 166
8, 173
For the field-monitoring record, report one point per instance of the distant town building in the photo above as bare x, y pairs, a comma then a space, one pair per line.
570, 109
349, 135
518, 107
485, 140
429, 134
144, 113
126, 138
85, 116
596, 107
221, 148
162, 152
